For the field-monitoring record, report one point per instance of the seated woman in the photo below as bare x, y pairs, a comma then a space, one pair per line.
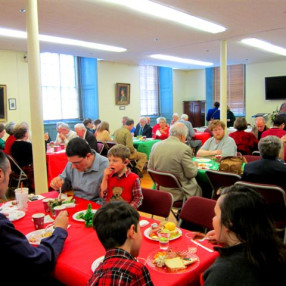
21, 149
161, 130
253, 254
246, 142
102, 132
9, 127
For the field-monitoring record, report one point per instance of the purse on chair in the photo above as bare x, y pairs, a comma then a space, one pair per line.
232, 164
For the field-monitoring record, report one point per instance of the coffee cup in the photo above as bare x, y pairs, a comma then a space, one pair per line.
38, 220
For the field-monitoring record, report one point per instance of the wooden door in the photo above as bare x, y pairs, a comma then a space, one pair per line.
196, 112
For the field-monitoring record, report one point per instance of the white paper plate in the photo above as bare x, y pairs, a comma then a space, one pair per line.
14, 214
96, 262
77, 213
36, 236
202, 160
148, 230
10, 205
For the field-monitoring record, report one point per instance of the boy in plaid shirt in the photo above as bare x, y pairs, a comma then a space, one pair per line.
117, 227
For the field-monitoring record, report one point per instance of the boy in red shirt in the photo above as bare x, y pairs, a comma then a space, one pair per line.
117, 227
118, 182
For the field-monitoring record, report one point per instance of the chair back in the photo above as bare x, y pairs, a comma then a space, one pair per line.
256, 153
100, 147
17, 173
251, 158
198, 211
156, 202
164, 179
110, 144
218, 179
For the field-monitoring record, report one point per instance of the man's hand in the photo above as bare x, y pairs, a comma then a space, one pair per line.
217, 152
62, 220
57, 183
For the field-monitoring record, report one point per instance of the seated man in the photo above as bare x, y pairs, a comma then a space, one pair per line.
277, 129
124, 137
84, 171
191, 133
143, 129
268, 170
219, 144
174, 156
65, 135
89, 125
82, 132
259, 128
24, 263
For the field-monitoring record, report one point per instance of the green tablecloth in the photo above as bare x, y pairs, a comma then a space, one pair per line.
144, 146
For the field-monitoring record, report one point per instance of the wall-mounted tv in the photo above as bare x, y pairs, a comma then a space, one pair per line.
275, 87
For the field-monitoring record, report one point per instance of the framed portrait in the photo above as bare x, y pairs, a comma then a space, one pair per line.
122, 94
12, 103
3, 103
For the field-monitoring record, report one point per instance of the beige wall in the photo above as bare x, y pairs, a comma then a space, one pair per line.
255, 90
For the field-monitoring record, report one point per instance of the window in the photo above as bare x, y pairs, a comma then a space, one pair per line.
59, 87
149, 94
235, 88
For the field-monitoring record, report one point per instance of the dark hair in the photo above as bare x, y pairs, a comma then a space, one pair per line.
78, 147
4, 162
97, 121
119, 151
244, 212
216, 104
269, 147
278, 120
2, 127
87, 121
112, 221
20, 131
129, 122
240, 123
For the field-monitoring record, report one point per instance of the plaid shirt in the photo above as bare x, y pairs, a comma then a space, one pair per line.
120, 268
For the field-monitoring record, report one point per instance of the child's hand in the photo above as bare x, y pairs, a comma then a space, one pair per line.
108, 171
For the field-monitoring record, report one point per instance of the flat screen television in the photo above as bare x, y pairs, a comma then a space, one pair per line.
275, 87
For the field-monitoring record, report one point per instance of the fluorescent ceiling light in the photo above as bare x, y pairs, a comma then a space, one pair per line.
64, 41
264, 46
181, 60
164, 12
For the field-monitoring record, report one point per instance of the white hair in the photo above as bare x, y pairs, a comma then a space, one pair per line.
80, 126
184, 116
64, 126
176, 114
178, 130
144, 119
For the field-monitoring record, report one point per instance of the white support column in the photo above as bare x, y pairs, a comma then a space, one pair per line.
37, 128
223, 81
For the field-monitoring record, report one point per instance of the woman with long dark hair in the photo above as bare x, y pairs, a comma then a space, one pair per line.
253, 254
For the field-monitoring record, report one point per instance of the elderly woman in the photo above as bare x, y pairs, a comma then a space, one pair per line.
246, 142
21, 150
102, 132
161, 130
268, 170
11, 139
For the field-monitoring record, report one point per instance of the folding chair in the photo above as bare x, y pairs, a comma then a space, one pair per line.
275, 198
218, 179
156, 202
17, 175
110, 144
168, 180
198, 211
256, 153
100, 147
251, 158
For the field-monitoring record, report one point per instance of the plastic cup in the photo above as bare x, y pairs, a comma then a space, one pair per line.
38, 220
164, 238
21, 196
46, 205
63, 146
58, 209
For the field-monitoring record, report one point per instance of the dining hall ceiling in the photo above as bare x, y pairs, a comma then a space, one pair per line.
142, 35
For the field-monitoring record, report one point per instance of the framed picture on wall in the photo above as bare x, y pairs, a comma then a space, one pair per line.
12, 103
3, 103
122, 94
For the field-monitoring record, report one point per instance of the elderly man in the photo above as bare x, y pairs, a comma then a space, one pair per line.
174, 156
196, 144
82, 132
259, 128
65, 134
268, 170
219, 144
32, 264
143, 129
84, 171
123, 136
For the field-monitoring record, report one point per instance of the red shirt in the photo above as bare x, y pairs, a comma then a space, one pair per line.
10, 140
118, 268
161, 136
246, 142
274, 132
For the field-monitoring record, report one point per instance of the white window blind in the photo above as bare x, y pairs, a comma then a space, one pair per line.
59, 87
149, 94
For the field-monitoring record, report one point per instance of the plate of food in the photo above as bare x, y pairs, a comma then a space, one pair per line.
79, 216
204, 166
10, 205
13, 215
36, 236
173, 261
202, 160
152, 232
96, 263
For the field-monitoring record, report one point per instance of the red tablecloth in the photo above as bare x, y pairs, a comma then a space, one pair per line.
82, 247
203, 136
56, 162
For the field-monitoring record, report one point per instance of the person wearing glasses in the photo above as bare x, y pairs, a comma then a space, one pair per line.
84, 171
